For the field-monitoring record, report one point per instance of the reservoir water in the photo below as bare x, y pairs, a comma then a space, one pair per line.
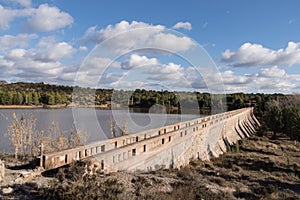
96, 123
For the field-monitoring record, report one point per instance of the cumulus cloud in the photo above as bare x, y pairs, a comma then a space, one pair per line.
164, 72
172, 42
136, 61
96, 36
47, 18
7, 15
267, 80
183, 25
35, 64
9, 41
127, 36
43, 18
257, 55
48, 50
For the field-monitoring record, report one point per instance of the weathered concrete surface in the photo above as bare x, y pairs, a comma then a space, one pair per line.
168, 146
2, 170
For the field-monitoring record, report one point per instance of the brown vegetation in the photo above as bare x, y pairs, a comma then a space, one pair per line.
264, 168
27, 140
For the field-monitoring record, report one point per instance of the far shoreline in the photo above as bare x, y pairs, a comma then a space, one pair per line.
60, 106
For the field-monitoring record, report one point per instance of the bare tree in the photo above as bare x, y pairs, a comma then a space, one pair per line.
26, 139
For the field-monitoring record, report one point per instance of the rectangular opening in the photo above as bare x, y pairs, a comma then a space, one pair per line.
79, 154
133, 152
44, 160
66, 158
145, 148
181, 134
169, 138
116, 144
96, 149
103, 148
86, 152
102, 164
165, 130
185, 132
194, 129
174, 128
158, 132
145, 137
137, 138
178, 127
163, 140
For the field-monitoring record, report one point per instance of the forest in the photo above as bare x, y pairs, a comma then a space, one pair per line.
277, 112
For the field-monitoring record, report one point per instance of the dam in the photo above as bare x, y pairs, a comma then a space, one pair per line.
170, 146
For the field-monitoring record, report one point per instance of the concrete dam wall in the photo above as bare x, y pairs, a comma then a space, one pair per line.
169, 146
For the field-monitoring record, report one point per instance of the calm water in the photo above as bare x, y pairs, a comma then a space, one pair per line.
95, 122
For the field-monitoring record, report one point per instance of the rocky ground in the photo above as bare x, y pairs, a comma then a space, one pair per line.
258, 168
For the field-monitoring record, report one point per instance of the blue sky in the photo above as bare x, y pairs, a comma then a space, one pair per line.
254, 44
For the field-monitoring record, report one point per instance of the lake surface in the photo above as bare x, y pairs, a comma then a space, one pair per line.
97, 123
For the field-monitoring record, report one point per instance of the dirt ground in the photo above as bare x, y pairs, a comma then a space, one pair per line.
257, 168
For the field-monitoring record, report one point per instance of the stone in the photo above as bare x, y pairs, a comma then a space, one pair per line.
6, 191
2, 170
24, 174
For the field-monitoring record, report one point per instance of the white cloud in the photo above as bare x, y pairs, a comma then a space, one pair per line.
48, 50
96, 36
136, 61
83, 48
43, 18
137, 35
183, 25
15, 54
267, 80
94, 65
257, 55
172, 42
9, 41
43, 62
47, 18
6, 16
272, 72
166, 72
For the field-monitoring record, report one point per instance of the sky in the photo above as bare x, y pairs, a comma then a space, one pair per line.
223, 46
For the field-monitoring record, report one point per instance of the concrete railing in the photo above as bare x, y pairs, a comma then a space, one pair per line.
168, 146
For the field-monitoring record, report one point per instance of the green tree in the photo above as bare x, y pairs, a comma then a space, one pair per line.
9, 98
28, 98
58, 98
50, 98
35, 98
18, 98
274, 117
291, 119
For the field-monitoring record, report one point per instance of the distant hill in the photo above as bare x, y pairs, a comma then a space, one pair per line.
37, 94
